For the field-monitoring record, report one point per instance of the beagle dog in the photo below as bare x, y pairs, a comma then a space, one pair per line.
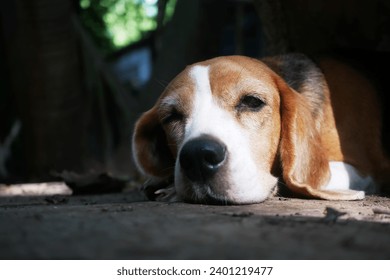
230, 130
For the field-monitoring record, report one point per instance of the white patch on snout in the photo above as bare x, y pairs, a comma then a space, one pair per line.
345, 177
246, 182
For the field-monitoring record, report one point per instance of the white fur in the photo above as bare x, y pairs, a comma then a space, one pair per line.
345, 177
168, 101
246, 182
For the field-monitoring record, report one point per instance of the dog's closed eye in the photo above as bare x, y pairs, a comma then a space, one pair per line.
250, 103
172, 116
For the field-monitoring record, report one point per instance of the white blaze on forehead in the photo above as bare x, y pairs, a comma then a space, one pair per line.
200, 76
203, 102
207, 116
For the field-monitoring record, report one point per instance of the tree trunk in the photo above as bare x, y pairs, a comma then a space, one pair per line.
44, 67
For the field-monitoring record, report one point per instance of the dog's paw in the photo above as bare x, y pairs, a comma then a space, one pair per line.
166, 195
160, 190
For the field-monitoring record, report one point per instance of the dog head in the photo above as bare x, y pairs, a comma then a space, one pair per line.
224, 127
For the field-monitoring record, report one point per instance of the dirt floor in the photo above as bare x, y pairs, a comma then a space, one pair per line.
125, 226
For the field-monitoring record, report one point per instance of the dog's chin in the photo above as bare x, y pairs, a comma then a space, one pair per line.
205, 194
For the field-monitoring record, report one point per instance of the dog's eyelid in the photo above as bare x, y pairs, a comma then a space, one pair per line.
250, 102
170, 115
255, 95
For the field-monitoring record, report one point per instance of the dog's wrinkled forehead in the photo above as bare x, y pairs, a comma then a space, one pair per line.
226, 78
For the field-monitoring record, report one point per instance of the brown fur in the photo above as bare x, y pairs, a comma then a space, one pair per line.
309, 120
357, 120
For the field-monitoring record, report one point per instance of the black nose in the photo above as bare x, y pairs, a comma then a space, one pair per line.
201, 158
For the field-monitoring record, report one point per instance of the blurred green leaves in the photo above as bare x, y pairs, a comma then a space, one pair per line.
118, 23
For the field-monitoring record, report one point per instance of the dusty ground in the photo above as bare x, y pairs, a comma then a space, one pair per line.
124, 226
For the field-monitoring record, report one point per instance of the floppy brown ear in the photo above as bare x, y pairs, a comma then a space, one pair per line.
150, 148
304, 160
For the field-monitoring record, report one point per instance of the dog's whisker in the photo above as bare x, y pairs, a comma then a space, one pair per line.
162, 83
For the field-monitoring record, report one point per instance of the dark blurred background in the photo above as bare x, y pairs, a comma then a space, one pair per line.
75, 74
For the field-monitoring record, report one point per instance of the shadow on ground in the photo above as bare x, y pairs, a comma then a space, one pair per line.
125, 226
